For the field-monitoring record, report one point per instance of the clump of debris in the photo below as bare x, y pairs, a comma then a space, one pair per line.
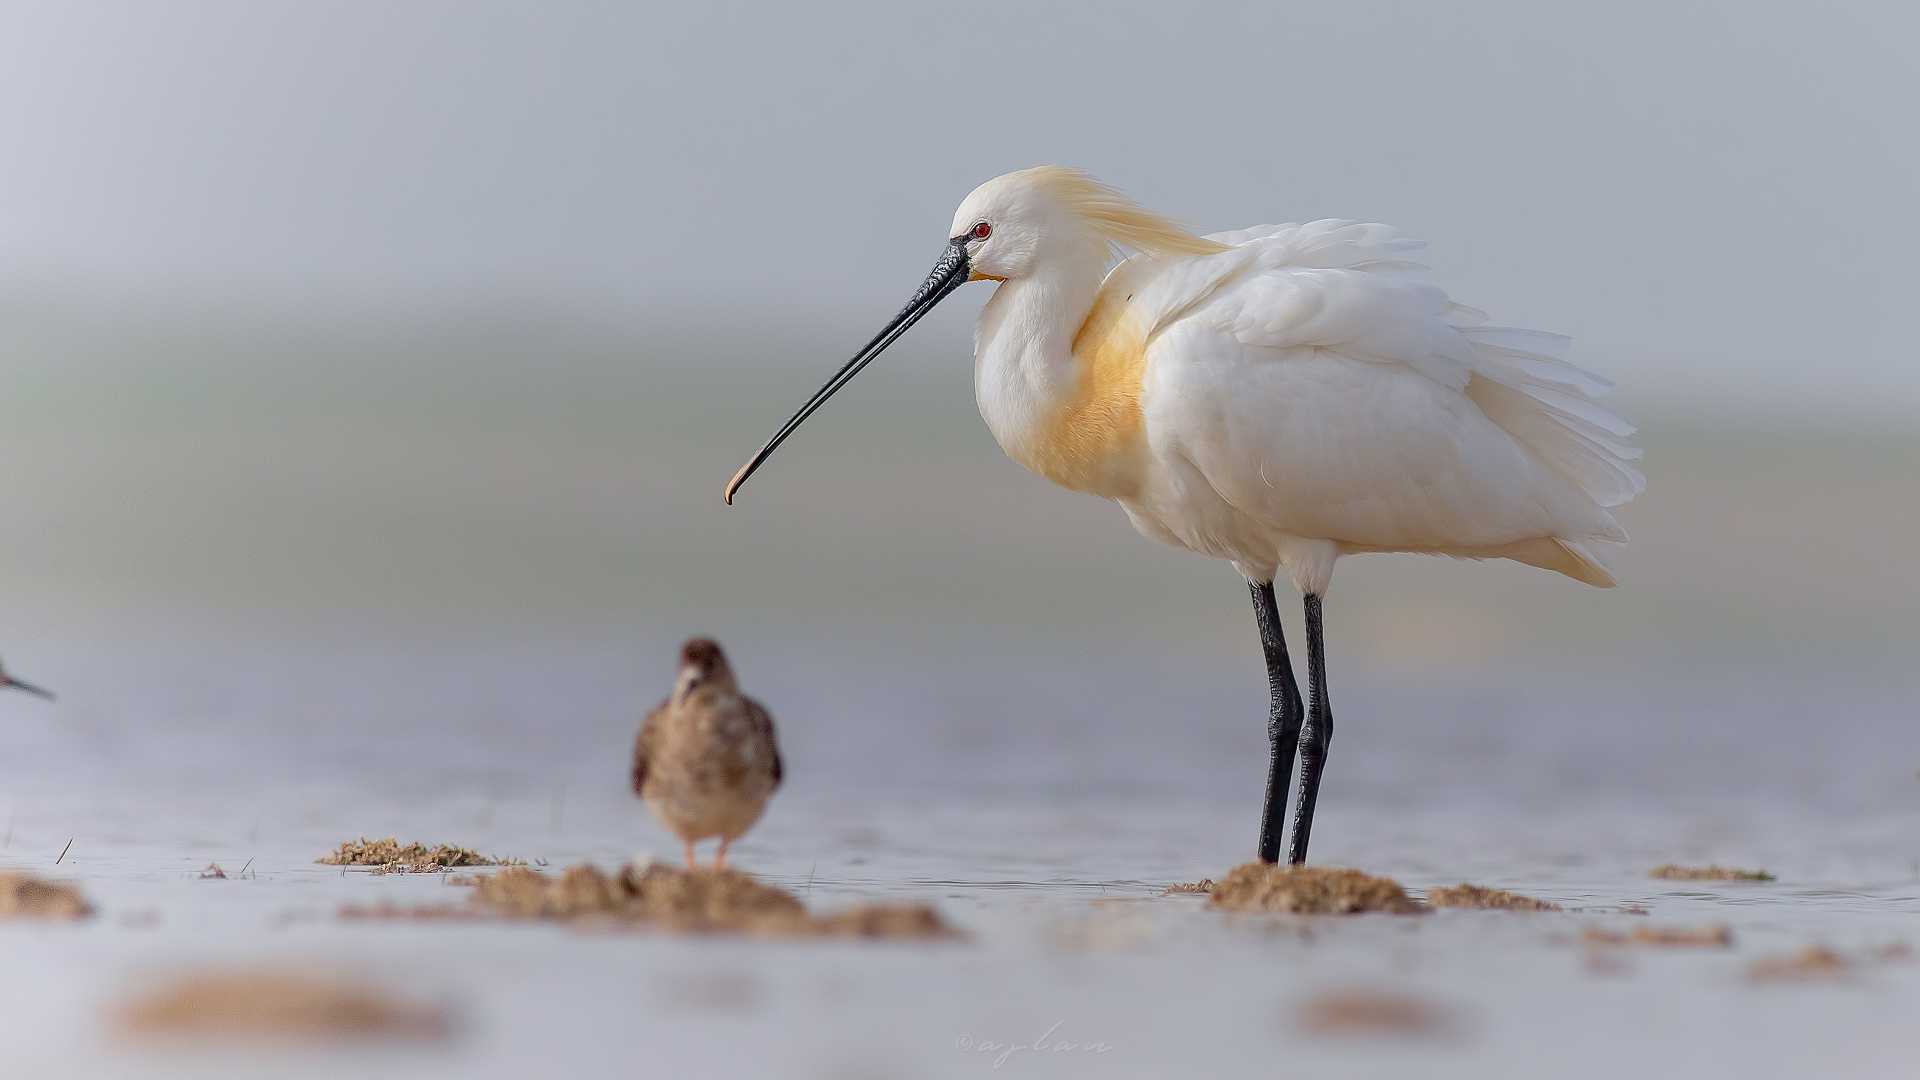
1375, 1014
1308, 890
1811, 963
1707, 873
1190, 888
387, 909
1819, 963
389, 856
1710, 936
663, 896
23, 896
274, 1006
1464, 895
668, 898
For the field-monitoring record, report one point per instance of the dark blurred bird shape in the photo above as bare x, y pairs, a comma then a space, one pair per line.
706, 760
7, 680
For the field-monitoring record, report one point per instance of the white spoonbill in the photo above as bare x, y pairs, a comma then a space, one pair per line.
1276, 397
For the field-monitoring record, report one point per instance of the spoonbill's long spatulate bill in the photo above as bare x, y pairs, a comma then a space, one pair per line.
948, 274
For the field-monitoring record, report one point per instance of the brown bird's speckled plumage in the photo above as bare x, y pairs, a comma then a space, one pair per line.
706, 760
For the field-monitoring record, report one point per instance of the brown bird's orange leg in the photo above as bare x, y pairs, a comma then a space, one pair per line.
720, 857
689, 847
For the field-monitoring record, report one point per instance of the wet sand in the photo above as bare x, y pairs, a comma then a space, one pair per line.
1035, 796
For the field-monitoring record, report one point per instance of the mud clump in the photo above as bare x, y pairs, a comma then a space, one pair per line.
660, 896
387, 909
1818, 963
23, 896
1368, 1013
1812, 963
1710, 936
389, 856
1481, 898
1893, 950
1308, 890
265, 1006
1676, 872
905, 921
667, 898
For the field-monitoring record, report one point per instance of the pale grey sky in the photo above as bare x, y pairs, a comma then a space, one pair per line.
1715, 199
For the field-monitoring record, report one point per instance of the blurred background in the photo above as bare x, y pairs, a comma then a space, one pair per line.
445, 316
370, 373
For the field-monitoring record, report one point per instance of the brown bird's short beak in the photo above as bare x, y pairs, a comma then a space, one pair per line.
951, 272
28, 687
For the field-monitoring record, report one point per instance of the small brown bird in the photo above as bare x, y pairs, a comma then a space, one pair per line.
7, 681
706, 760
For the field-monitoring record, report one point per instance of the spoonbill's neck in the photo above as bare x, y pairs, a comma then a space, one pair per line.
1060, 402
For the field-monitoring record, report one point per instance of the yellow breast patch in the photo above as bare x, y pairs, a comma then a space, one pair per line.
1095, 441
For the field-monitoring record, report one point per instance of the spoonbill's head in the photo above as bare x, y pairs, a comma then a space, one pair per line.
1005, 230
8, 681
1012, 223
1007, 222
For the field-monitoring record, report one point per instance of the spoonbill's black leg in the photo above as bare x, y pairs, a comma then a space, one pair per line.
1315, 735
1283, 719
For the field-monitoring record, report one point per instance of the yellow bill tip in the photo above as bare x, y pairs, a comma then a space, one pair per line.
734, 484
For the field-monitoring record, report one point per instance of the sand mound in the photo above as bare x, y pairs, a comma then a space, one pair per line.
391, 857
23, 896
1190, 888
387, 909
1464, 895
1710, 936
269, 1006
663, 897
883, 921
1308, 890
1811, 963
1707, 873
1369, 1013
1818, 963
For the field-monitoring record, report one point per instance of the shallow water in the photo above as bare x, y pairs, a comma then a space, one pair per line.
1017, 785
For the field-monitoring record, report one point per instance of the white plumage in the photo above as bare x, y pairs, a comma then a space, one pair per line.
1304, 398
1320, 394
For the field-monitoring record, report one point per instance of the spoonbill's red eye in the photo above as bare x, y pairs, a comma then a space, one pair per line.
982, 231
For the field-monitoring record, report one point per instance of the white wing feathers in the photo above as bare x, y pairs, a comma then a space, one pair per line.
1549, 407
1328, 244
1338, 285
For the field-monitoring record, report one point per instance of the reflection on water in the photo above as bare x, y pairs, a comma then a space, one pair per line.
957, 720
